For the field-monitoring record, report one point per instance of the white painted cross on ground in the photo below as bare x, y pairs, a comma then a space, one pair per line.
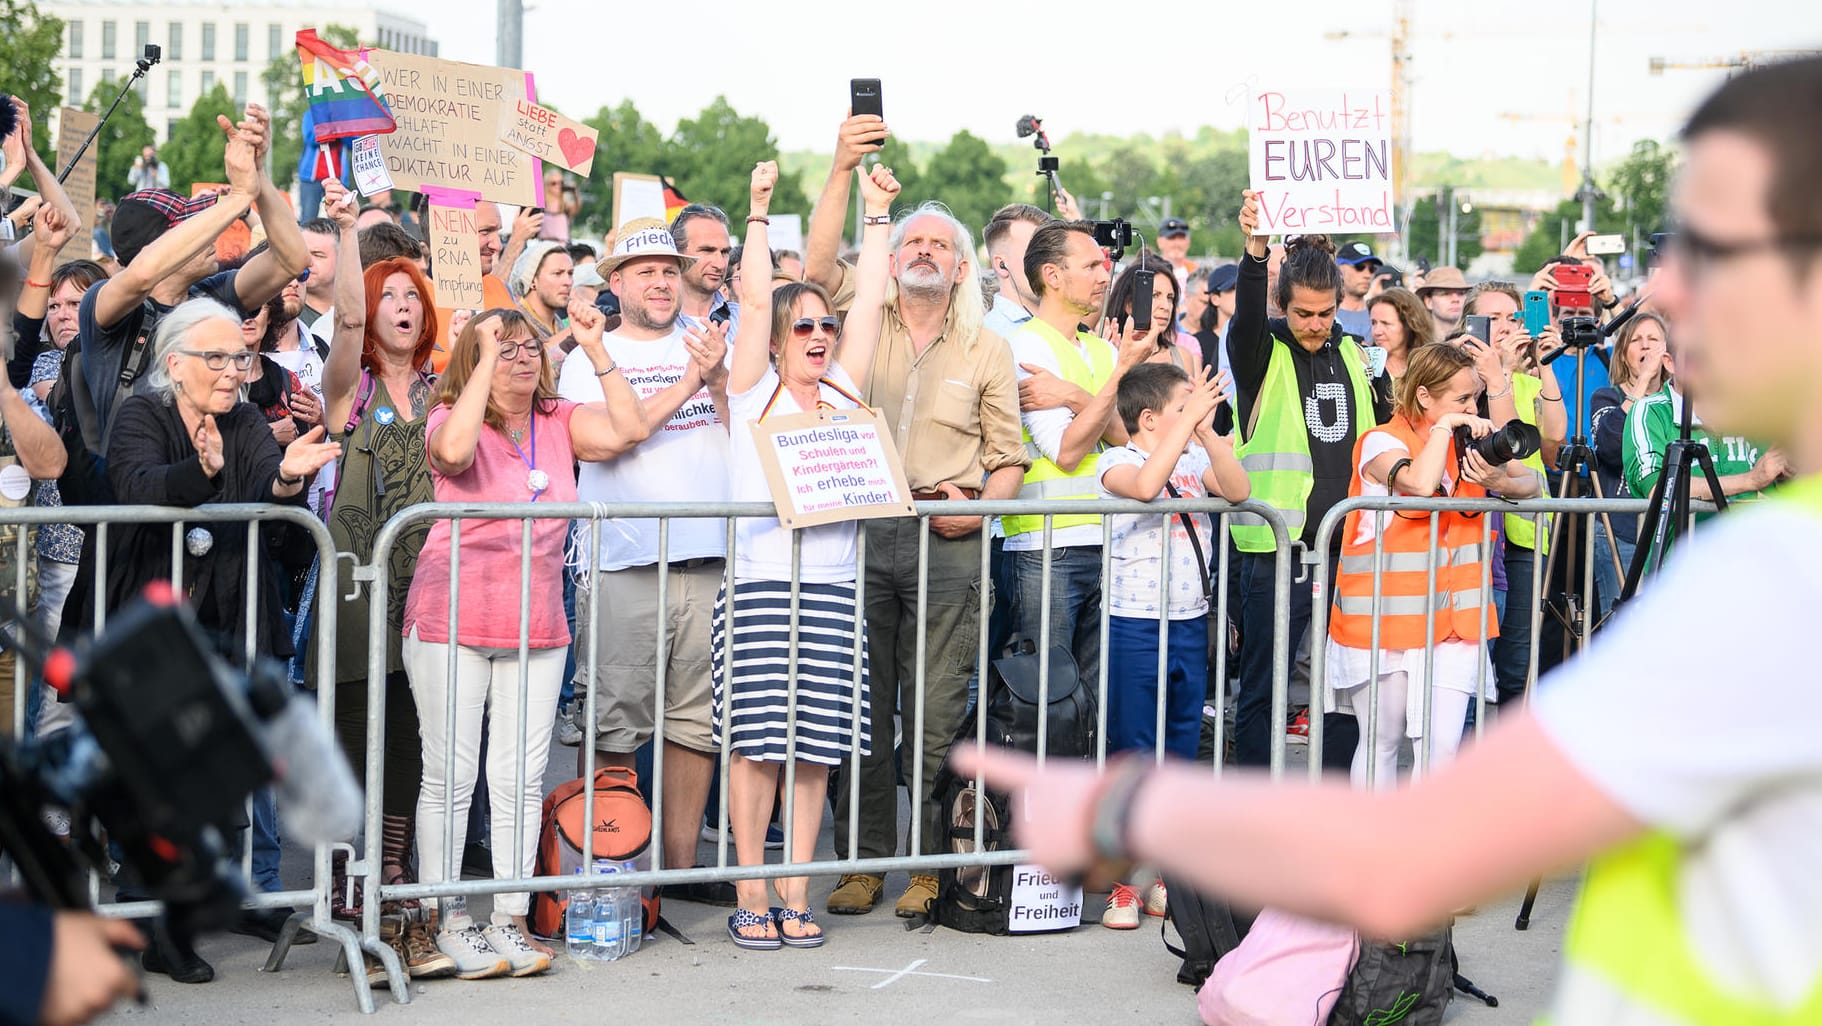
895, 975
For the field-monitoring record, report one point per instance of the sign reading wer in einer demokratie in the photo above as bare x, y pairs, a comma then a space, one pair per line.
831, 465
1322, 161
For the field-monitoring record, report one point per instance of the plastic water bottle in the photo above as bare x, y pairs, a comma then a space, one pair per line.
580, 925
610, 920
634, 930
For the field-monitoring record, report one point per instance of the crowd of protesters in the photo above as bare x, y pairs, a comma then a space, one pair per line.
321, 371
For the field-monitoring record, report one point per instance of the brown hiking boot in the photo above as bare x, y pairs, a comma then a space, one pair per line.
856, 894
917, 897
423, 960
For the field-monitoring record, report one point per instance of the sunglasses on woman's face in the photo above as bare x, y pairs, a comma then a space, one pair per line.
803, 327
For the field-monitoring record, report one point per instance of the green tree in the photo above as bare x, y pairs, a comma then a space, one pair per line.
969, 177
627, 143
194, 150
1424, 234
1208, 197
1641, 183
284, 82
29, 41
122, 138
1557, 227
913, 190
711, 158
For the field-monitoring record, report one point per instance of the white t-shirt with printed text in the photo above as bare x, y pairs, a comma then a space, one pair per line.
685, 460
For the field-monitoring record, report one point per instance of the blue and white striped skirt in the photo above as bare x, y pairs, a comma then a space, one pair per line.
759, 686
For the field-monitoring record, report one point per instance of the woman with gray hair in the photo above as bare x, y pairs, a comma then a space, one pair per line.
187, 439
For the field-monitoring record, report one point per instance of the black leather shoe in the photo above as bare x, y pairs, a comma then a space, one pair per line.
267, 924
721, 894
183, 964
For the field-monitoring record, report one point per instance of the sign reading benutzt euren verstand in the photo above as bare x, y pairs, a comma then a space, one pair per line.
831, 465
1321, 161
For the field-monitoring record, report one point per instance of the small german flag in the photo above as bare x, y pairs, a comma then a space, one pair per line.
674, 201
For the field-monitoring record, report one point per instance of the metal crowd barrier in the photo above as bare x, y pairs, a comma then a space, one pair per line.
375, 575
97, 520
1537, 510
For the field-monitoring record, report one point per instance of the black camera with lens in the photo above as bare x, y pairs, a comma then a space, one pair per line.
1580, 332
172, 740
1516, 441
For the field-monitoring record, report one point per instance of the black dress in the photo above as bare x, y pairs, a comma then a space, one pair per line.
151, 461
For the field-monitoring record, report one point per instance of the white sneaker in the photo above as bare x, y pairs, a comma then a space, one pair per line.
567, 733
1122, 909
475, 959
1155, 898
509, 940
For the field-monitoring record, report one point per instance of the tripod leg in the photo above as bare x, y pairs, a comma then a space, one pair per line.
1524, 911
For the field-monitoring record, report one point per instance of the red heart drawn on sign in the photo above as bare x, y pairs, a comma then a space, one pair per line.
576, 150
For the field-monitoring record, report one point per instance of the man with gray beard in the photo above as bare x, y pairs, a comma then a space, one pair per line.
944, 386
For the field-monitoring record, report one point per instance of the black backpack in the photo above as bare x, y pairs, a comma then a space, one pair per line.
1409, 983
1010, 701
972, 899
1208, 928
85, 480
978, 899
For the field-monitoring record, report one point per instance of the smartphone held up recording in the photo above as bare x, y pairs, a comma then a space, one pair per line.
864, 98
1143, 282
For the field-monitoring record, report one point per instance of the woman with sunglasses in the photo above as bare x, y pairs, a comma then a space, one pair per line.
499, 433
785, 362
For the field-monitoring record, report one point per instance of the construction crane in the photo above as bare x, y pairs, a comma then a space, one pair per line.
1745, 60
1400, 39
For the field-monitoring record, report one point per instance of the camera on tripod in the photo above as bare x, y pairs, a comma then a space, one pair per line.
1580, 332
1516, 441
1115, 234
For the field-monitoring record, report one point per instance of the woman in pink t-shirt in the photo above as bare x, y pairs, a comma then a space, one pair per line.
500, 434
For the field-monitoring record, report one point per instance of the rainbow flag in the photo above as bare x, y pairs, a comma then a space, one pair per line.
674, 202
346, 98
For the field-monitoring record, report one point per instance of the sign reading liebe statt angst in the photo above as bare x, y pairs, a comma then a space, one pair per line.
1322, 161
831, 465
549, 136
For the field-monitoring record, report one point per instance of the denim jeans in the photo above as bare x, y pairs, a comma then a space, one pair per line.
1075, 604
1512, 649
265, 842
1252, 718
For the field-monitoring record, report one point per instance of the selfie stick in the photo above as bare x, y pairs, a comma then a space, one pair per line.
152, 56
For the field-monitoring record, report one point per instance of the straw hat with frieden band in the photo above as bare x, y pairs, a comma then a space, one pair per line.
644, 237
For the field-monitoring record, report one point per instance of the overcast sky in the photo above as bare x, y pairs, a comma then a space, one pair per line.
979, 64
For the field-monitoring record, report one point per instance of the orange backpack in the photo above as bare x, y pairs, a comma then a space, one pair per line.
623, 832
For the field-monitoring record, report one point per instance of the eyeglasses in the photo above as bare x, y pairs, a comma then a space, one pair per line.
803, 327
217, 360
509, 349
1701, 253
303, 276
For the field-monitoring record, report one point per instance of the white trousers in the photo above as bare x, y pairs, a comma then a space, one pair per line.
1448, 713
486, 681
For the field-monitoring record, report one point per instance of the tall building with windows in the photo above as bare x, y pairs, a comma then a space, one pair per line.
205, 44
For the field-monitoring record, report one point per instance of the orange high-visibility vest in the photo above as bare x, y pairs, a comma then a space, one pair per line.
1459, 605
